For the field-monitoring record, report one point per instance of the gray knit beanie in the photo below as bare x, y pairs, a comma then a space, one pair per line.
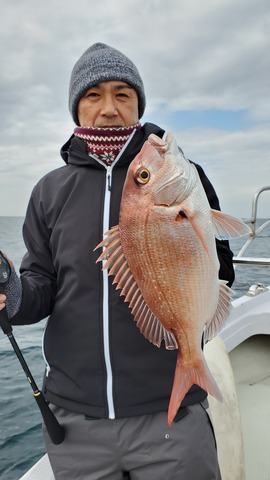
100, 63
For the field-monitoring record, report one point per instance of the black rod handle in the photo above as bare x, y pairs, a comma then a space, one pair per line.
23, 362
7, 329
4, 322
54, 429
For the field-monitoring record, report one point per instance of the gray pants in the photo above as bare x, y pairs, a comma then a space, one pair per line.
144, 446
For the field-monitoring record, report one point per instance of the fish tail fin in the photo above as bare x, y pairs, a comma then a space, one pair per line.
186, 376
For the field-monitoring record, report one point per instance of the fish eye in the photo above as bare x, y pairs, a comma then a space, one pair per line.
142, 175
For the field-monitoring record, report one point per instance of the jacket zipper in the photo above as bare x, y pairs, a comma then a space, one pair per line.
106, 336
106, 325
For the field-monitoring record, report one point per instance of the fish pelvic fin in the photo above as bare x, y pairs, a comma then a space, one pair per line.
187, 375
222, 312
227, 227
114, 260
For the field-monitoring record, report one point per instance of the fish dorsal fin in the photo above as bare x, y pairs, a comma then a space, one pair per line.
222, 311
227, 227
115, 261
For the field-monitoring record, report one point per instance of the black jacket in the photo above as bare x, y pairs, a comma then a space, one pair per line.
97, 364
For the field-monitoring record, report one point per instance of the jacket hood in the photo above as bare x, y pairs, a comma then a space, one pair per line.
65, 148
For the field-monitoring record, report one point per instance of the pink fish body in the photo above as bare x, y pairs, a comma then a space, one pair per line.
163, 256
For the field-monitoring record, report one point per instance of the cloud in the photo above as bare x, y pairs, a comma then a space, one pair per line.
205, 67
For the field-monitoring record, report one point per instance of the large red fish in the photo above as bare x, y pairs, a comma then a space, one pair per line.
163, 256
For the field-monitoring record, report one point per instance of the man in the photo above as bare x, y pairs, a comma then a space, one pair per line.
106, 384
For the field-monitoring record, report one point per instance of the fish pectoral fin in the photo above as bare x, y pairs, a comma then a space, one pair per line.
222, 311
198, 227
227, 227
115, 262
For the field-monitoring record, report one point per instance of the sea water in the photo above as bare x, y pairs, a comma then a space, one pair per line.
21, 442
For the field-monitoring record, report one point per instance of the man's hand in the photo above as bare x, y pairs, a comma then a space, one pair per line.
2, 301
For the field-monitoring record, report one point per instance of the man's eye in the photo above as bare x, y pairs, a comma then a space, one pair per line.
92, 94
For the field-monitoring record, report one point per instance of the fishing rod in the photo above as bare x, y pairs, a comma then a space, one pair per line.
55, 431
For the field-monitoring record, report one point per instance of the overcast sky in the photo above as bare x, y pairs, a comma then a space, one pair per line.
206, 70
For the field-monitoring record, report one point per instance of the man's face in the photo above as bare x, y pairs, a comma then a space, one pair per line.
109, 104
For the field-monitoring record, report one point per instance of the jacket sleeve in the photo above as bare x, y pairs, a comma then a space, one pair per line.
225, 255
37, 273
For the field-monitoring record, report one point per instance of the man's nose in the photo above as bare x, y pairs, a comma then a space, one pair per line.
108, 106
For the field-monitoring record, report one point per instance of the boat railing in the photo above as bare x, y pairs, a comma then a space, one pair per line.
239, 259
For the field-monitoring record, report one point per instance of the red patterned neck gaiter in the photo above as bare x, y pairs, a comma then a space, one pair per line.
106, 143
